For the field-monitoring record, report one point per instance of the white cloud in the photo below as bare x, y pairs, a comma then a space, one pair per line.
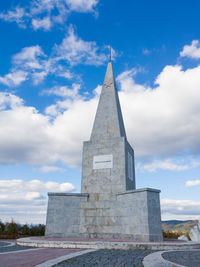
77, 51
26, 201
165, 165
180, 209
163, 121
64, 91
54, 109
29, 63
15, 15
65, 73
28, 136
51, 169
14, 78
40, 6
18, 198
192, 50
97, 90
192, 183
127, 83
9, 100
33, 214
71, 128
32, 196
59, 107
38, 77
34, 61
44, 23
69, 94
21, 186
82, 5
40, 14
29, 57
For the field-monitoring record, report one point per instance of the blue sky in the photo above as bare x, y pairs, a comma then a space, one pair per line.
53, 61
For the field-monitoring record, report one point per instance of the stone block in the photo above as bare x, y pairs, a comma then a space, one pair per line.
64, 213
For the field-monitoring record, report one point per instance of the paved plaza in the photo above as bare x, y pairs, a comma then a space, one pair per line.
20, 256
12, 255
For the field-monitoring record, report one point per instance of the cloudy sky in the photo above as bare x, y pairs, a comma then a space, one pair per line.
53, 56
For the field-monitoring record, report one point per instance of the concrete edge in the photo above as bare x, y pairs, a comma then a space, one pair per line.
156, 260
68, 194
10, 244
52, 262
107, 245
139, 190
19, 251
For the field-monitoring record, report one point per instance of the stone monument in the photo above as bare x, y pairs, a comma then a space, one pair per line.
109, 206
195, 233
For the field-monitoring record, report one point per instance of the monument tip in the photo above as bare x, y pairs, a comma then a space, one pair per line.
110, 50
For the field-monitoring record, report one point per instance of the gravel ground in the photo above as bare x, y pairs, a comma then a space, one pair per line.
185, 258
108, 258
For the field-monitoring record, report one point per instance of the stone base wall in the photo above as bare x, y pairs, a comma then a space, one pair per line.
140, 215
132, 214
63, 214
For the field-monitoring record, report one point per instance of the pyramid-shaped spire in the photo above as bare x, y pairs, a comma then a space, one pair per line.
108, 121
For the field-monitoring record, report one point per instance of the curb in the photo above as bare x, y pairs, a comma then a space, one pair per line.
107, 245
156, 260
52, 262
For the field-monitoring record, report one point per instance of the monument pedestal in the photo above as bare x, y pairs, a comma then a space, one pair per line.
132, 215
140, 214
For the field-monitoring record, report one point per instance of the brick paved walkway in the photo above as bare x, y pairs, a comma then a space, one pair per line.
28, 257
185, 258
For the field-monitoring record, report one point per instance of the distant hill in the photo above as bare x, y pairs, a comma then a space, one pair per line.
179, 226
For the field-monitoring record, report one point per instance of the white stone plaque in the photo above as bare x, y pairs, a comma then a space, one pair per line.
102, 162
130, 166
